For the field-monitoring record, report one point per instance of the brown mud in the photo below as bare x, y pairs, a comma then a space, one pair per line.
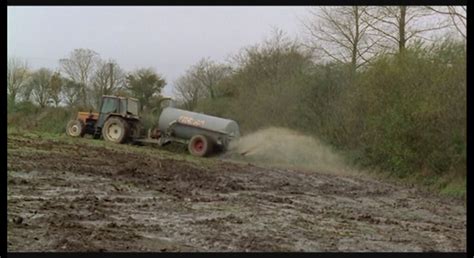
65, 196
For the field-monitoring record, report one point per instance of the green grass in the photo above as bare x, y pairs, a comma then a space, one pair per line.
202, 163
448, 185
455, 188
29, 150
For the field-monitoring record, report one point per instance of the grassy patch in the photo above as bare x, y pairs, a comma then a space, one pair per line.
455, 188
451, 186
154, 151
30, 150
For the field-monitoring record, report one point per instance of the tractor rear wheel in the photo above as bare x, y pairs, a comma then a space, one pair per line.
115, 130
75, 128
199, 146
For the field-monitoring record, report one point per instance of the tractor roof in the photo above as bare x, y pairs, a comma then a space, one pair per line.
118, 97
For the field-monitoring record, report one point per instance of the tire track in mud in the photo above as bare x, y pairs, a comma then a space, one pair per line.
80, 197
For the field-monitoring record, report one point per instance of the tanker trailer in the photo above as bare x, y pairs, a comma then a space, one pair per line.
204, 134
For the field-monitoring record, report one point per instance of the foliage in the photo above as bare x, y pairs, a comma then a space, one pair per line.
265, 83
56, 87
107, 79
29, 116
201, 81
40, 85
17, 77
144, 84
404, 114
79, 67
414, 110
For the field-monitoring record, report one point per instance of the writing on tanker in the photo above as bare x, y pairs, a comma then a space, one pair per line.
190, 121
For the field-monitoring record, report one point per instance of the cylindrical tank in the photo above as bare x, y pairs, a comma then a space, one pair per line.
189, 124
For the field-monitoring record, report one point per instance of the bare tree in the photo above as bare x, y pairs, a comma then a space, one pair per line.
201, 81
107, 78
70, 91
17, 77
79, 67
188, 91
41, 85
342, 34
457, 16
398, 25
207, 74
55, 88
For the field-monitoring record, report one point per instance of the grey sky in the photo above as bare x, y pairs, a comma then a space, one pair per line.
169, 39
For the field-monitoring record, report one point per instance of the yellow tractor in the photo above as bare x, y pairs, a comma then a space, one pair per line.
117, 121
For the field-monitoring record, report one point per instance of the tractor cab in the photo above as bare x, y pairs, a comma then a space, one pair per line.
118, 106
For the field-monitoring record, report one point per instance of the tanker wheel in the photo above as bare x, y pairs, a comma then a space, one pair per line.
75, 128
199, 146
115, 130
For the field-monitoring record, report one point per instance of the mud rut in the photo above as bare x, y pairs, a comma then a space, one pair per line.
70, 197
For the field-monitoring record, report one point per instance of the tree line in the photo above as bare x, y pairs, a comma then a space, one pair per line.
82, 78
352, 36
370, 81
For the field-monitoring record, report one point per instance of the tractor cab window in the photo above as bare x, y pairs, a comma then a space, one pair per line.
123, 105
109, 105
132, 107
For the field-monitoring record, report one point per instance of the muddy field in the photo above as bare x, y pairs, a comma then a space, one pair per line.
66, 195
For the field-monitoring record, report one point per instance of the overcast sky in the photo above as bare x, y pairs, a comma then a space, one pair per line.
168, 39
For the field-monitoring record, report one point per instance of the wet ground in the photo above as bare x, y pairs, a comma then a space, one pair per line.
68, 195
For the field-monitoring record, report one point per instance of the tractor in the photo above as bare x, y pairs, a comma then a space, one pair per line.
117, 121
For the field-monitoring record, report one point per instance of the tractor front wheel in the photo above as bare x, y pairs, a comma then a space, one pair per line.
199, 146
115, 130
75, 128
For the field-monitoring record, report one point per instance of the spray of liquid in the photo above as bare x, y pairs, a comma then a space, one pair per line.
286, 148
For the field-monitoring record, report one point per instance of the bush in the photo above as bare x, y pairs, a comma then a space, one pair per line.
54, 120
415, 111
28, 116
